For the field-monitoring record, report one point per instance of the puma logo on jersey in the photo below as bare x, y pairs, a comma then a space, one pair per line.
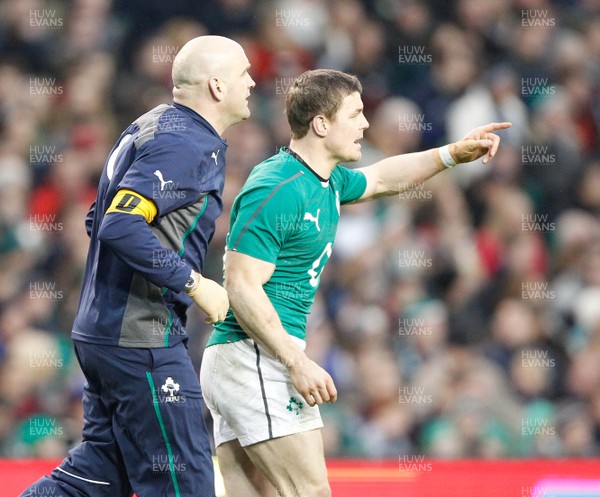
214, 155
309, 217
163, 183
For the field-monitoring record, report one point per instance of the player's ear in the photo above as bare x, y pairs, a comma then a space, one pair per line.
217, 88
320, 125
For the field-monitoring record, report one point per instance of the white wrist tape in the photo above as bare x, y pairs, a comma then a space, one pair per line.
446, 157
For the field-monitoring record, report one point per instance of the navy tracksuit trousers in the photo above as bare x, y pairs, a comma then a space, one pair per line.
144, 429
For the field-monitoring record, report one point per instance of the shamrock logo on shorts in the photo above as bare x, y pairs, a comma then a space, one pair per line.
295, 406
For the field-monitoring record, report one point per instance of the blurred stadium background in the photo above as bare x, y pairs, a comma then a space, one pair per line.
460, 320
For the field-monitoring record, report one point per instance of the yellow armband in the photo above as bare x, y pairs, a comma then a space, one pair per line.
130, 202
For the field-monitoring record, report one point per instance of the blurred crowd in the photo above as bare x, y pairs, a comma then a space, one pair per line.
460, 318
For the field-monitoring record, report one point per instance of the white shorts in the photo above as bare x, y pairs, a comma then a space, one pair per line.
250, 395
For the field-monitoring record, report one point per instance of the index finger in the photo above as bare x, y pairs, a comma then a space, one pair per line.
496, 126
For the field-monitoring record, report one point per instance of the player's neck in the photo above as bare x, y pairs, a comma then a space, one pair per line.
315, 156
210, 114
214, 118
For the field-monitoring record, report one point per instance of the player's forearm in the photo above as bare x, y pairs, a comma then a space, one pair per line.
257, 316
403, 172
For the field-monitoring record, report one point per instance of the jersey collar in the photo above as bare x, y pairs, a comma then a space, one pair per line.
287, 150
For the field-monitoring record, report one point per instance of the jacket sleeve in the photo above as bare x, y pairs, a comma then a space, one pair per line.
89, 219
132, 240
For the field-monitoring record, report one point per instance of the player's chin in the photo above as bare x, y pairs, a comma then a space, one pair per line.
354, 154
244, 114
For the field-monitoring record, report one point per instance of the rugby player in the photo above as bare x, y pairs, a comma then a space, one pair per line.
262, 389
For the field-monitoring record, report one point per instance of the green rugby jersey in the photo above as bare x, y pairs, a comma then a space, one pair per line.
287, 215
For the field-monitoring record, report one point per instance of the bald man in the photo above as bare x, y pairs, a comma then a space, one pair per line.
154, 215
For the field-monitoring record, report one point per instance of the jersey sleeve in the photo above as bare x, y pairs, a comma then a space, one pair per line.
262, 219
352, 184
165, 171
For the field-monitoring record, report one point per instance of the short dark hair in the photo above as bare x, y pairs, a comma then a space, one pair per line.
317, 92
